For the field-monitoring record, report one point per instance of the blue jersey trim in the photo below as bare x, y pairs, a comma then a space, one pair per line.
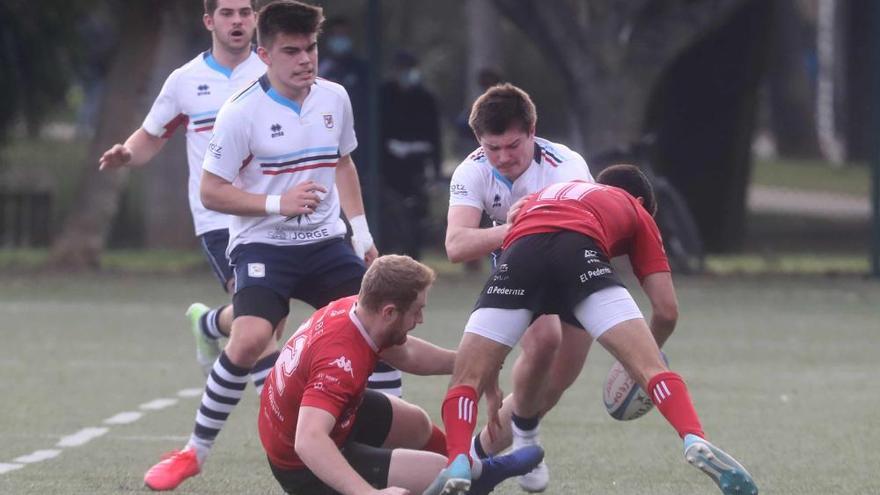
214, 64
204, 114
504, 180
282, 100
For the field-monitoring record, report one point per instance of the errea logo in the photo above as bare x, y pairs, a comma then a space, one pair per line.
203, 89
276, 130
345, 364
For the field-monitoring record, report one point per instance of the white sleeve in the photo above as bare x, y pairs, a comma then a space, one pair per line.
166, 113
575, 168
347, 140
465, 186
228, 147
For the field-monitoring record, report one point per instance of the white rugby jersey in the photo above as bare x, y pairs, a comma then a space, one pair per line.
264, 143
477, 183
191, 96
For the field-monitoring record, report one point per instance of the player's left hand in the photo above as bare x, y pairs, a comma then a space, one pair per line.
514, 209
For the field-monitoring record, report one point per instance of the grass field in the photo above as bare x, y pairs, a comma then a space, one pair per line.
783, 371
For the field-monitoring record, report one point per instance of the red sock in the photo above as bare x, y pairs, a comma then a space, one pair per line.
437, 442
671, 397
459, 413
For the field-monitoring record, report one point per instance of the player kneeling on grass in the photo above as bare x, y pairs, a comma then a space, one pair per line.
556, 258
324, 433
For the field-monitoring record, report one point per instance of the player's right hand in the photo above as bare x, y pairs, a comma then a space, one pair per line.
115, 157
301, 199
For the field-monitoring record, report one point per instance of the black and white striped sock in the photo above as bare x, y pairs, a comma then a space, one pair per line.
223, 390
386, 379
262, 369
210, 323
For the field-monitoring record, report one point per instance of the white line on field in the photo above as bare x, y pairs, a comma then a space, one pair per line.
5, 467
155, 405
190, 392
81, 437
86, 435
40, 455
123, 418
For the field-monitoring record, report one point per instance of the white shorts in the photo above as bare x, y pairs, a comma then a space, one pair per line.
597, 313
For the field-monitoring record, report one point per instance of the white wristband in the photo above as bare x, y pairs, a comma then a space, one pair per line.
361, 238
273, 204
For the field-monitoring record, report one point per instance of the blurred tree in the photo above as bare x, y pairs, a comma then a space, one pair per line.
39, 48
85, 229
611, 54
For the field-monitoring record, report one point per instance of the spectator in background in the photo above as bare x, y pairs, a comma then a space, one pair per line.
340, 64
410, 145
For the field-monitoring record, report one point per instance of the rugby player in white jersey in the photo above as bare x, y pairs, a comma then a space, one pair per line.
510, 164
279, 162
191, 97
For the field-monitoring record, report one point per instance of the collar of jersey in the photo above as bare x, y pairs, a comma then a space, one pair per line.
360, 326
278, 97
214, 64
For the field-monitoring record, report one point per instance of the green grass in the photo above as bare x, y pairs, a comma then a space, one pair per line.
813, 175
782, 370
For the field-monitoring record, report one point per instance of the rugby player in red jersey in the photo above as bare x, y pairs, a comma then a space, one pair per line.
325, 433
556, 260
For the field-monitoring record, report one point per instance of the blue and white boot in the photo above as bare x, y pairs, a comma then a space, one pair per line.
496, 469
455, 479
725, 471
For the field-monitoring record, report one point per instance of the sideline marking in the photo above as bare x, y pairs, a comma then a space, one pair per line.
88, 434
40, 455
81, 437
5, 467
190, 392
124, 418
155, 405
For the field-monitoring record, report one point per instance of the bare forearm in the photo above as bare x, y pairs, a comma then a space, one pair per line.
420, 357
143, 146
465, 244
348, 183
226, 198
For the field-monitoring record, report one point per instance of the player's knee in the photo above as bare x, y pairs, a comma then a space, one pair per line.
413, 422
544, 336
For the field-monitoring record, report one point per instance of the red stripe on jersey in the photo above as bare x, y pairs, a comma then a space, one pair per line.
297, 169
173, 124
244, 163
550, 160
202, 129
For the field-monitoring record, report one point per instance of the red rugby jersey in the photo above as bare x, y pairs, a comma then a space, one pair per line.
610, 216
325, 364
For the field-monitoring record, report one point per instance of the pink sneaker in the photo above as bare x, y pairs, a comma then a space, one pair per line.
172, 470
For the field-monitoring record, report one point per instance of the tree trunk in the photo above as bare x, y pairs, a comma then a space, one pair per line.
166, 222
85, 230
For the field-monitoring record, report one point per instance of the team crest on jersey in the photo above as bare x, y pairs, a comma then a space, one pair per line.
203, 89
496, 202
328, 120
345, 364
276, 130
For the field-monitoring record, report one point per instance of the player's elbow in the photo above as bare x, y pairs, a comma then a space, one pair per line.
303, 445
209, 198
454, 249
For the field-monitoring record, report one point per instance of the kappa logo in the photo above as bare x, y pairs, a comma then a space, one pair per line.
589, 253
276, 130
496, 203
203, 89
328, 120
345, 364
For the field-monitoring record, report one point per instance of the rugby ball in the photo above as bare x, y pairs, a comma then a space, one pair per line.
624, 400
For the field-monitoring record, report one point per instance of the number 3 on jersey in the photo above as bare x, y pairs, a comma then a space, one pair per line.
288, 361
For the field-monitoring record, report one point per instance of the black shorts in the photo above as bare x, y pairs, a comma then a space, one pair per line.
214, 245
363, 451
548, 273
